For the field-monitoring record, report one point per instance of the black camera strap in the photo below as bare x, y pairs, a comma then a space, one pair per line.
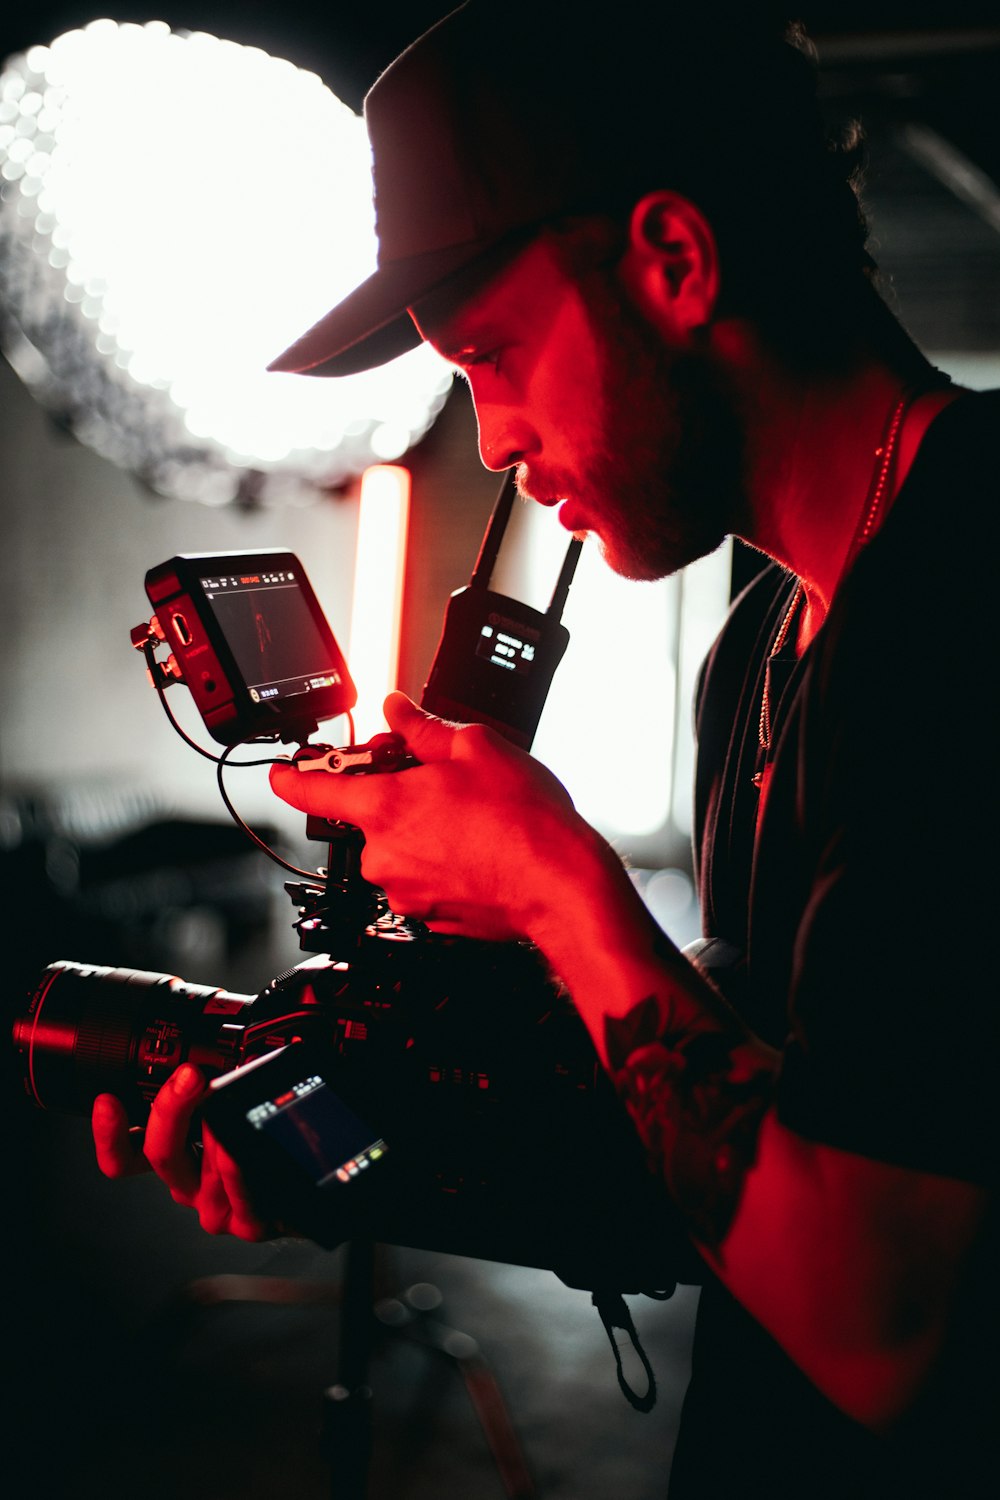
615, 1314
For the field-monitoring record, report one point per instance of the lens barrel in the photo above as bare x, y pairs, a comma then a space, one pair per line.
467, 1058
88, 1030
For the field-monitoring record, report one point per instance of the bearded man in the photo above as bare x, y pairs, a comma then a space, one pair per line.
631, 235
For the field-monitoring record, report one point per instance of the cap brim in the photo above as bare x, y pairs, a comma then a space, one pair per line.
371, 325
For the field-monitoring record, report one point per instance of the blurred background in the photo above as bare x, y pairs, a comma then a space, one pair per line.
173, 211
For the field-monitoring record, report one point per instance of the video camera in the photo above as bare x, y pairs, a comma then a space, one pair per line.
426, 1091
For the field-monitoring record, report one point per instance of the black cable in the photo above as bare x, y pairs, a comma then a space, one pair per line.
221, 761
155, 678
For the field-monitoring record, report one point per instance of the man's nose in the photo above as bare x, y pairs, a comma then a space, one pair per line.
505, 438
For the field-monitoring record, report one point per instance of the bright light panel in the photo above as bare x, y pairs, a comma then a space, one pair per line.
181, 208
376, 613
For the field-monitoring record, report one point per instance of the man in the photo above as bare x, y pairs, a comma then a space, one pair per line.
638, 249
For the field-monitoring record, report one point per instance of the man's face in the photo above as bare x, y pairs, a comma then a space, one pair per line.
638, 441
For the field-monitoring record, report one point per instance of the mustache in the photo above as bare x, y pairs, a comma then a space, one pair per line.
543, 490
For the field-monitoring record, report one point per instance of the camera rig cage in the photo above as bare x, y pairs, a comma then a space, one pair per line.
496, 1132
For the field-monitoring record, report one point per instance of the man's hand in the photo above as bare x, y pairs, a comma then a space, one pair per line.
469, 841
201, 1175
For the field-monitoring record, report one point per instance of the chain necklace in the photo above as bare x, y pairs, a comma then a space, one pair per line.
880, 479
867, 526
764, 726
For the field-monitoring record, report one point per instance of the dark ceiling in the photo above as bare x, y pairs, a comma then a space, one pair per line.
924, 80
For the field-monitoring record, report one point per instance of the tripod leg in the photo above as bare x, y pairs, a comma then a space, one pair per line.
347, 1425
490, 1408
410, 1317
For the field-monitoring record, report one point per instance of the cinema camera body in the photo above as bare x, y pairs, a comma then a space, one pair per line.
434, 1092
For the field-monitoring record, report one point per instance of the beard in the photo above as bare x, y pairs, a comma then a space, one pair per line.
661, 472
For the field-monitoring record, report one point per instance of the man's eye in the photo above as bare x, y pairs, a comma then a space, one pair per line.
468, 361
489, 357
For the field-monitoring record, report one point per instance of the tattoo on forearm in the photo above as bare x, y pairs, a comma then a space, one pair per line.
697, 1097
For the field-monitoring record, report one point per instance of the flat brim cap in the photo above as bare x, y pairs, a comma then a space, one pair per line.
371, 325
508, 115
461, 165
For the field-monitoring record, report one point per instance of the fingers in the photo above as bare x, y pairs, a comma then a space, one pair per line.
288, 784
479, 922
168, 1146
344, 798
205, 1178
117, 1146
428, 738
224, 1206
350, 799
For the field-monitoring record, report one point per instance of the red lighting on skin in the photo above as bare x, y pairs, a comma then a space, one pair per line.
379, 569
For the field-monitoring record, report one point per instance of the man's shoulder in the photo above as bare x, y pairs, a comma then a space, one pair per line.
944, 524
963, 442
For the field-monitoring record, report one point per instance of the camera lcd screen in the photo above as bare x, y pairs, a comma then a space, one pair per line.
271, 632
314, 1127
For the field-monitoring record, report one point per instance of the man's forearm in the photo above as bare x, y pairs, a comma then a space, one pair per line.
695, 1081
697, 1098
851, 1264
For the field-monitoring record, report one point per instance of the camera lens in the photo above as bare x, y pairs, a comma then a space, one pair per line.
88, 1030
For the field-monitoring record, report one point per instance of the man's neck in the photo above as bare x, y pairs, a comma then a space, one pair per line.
819, 481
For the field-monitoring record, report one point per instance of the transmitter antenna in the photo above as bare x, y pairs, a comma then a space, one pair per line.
489, 549
496, 656
495, 528
561, 591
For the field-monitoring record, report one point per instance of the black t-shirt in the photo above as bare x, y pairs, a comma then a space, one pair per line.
863, 905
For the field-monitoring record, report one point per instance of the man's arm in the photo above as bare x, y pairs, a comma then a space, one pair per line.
851, 1264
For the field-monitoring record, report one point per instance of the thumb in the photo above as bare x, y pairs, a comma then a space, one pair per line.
426, 736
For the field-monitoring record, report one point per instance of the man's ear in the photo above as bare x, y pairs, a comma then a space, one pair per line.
671, 266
